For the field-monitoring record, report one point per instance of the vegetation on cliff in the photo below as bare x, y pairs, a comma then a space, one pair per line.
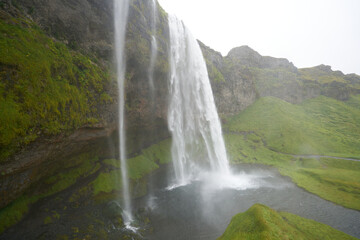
45, 87
244, 76
277, 133
73, 170
105, 181
261, 222
108, 183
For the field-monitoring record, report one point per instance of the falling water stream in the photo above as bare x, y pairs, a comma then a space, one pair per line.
121, 8
154, 50
197, 142
192, 207
205, 194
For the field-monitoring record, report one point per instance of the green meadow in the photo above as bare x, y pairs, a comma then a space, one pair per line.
272, 132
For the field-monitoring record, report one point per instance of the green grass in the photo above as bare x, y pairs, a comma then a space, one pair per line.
261, 222
270, 128
321, 126
331, 179
354, 101
45, 88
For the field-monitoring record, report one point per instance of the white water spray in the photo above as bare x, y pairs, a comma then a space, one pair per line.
197, 142
154, 48
121, 8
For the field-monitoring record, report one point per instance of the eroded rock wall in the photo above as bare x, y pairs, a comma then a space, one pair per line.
86, 26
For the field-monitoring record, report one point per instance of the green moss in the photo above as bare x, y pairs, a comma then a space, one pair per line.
138, 167
45, 88
261, 222
79, 167
107, 182
105, 98
14, 212
79, 194
48, 220
159, 153
112, 162
69, 176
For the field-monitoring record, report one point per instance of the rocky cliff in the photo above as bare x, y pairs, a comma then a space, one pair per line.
58, 100
59, 88
233, 88
244, 75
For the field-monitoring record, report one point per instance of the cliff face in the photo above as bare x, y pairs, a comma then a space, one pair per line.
244, 75
58, 93
80, 30
233, 89
85, 25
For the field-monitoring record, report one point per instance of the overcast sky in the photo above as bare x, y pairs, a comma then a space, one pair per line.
307, 32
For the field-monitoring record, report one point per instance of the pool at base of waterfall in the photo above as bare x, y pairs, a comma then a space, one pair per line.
203, 208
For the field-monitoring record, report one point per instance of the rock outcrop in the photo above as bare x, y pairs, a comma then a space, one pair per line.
86, 26
233, 89
244, 75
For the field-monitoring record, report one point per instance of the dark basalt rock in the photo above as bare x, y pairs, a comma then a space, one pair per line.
87, 26
44, 156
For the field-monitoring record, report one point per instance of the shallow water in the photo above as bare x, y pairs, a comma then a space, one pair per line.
204, 208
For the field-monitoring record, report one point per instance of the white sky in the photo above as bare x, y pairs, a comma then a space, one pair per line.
306, 32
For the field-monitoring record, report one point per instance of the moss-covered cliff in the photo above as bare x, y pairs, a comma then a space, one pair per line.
58, 106
46, 88
84, 186
58, 92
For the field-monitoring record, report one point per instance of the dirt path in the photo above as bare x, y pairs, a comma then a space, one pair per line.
321, 156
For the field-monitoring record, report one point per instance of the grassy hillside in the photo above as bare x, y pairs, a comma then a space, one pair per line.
45, 87
322, 126
271, 130
323, 74
261, 222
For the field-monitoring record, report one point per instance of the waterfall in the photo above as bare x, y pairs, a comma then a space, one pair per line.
121, 8
154, 48
197, 142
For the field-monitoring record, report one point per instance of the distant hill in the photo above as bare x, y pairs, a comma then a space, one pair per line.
244, 76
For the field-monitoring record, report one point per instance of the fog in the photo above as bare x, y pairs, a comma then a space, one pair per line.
308, 33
